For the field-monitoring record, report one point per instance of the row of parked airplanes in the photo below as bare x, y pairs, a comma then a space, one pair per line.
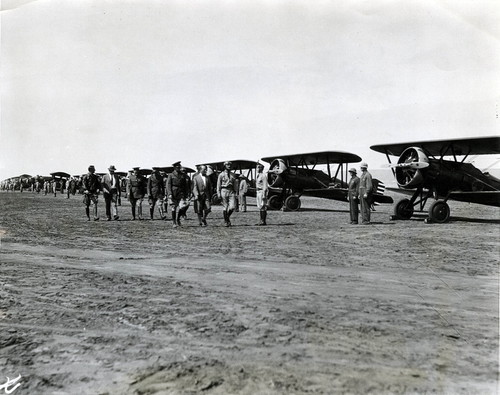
435, 170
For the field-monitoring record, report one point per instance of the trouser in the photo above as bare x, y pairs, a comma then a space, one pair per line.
261, 200
243, 202
110, 200
365, 209
354, 208
136, 203
153, 201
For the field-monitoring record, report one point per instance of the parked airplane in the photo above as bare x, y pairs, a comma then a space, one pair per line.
291, 176
421, 168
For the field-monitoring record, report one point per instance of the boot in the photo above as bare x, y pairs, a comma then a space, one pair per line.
96, 218
204, 219
261, 221
151, 212
264, 216
139, 211
133, 213
160, 210
87, 211
200, 220
224, 213
229, 216
174, 220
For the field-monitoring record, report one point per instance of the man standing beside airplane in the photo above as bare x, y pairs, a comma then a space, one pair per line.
365, 191
243, 189
226, 192
352, 196
261, 194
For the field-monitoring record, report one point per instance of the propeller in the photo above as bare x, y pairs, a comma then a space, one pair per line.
409, 167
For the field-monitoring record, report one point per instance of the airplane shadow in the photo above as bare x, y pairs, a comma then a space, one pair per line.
475, 220
325, 210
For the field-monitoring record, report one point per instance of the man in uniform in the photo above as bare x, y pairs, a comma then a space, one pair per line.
91, 187
111, 192
365, 191
176, 191
183, 207
226, 192
243, 189
156, 193
202, 192
352, 195
136, 188
261, 194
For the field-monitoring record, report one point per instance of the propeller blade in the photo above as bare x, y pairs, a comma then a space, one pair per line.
411, 165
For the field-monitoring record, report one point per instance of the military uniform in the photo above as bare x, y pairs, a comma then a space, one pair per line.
261, 186
156, 193
226, 192
176, 191
91, 185
352, 196
365, 191
136, 188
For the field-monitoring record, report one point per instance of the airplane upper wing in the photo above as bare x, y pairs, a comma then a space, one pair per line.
170, 169
316, 158
467, 146
242, 164
60, 174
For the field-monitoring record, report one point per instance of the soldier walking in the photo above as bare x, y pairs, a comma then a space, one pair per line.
91, 187
136, 188
176, 192
156, 193
226, 192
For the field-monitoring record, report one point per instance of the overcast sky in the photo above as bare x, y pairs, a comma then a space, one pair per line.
147, 83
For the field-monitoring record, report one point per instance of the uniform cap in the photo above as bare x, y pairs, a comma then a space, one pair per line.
260, 165
91, 167
364, 165
112, 167
176, 164
228, 163
135, 168
352, 170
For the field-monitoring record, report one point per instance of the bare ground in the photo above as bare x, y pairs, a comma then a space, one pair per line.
308, 304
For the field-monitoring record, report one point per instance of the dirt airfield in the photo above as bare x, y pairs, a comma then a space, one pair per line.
308, 304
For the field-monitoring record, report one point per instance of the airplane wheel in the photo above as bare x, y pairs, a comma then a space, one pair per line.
439, 212
215, 200
292, 203
274, 202
403, 209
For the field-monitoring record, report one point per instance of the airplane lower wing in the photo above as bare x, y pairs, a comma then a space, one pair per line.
489, 198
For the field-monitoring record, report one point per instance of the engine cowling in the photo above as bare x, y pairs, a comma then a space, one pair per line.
275, 174
410, 169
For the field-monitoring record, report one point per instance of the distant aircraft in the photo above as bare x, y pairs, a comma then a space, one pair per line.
422, 171
291, 176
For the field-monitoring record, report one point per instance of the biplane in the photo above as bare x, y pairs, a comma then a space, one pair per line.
291, 176
244, 167
423, 172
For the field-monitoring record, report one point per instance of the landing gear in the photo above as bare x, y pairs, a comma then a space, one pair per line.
439, 212
403, 209
275, 202
292, 203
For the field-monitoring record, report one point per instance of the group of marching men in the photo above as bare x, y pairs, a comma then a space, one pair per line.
177, 190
